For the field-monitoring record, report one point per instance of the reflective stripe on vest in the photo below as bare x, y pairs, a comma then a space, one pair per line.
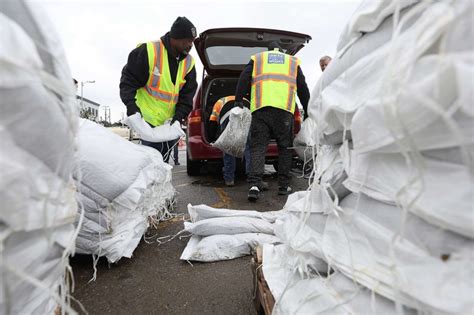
219, 105
158, 98
274, 84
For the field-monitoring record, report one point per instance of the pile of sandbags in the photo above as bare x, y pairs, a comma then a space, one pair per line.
222, 234
392, 211
122, 186
37, 193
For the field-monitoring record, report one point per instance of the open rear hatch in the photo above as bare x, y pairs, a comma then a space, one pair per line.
226, 51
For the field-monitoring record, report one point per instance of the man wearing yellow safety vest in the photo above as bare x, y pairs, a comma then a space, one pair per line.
159, 80
274, 79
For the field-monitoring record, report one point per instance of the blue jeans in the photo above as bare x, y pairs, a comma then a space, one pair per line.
229, 163
229, 160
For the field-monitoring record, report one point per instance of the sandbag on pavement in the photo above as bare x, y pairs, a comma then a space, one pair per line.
201, 212
230, 225
224, 247
121, 185
221, 234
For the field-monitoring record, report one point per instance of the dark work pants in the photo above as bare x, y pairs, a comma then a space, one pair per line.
270, 122
163, 147
176, 153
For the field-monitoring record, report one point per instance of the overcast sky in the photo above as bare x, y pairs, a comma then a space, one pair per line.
98, 35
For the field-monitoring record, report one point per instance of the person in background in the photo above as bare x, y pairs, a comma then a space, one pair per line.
324, 62
159, 80
217, 123
273, 79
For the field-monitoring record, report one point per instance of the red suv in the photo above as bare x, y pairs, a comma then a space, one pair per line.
224, 52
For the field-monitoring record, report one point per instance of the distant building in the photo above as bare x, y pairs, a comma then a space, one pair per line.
88, 108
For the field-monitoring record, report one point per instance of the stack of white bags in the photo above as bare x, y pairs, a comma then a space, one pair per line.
38, 124
122, 187
221, 234
393, 212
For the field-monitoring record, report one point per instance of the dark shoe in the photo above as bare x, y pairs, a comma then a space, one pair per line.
254, 193
177, 163
284, 190
229, 183
264, 185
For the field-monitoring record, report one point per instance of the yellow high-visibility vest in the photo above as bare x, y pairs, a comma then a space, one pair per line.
274, 81
158, 98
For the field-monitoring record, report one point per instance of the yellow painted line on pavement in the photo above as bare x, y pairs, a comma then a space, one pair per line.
182, 185
182, 171
225, 200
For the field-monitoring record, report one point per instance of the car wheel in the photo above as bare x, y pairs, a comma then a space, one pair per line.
193, 168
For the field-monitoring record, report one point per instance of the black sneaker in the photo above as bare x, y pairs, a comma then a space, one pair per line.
254, 193
284, 190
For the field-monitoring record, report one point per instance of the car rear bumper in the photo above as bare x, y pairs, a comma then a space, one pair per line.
198, 150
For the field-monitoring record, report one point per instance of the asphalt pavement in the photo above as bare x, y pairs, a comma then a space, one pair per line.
156, 281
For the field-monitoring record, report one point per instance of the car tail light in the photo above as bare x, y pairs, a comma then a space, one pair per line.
194, 122
298, 120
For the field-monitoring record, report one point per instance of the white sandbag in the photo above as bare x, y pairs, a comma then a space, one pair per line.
365, 247
363, 46
33, 196
224, 247
228, 225
108, 166
367, 18
234, 137
120, 241
305, 141
283, 266
201, 212
369, 81
25, 76
161, 133
330, 170
302, 233
425, 114
121, 185
422, 189
335, 294
34, 254
37, 127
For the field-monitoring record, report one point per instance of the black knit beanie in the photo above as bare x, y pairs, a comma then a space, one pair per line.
182, 28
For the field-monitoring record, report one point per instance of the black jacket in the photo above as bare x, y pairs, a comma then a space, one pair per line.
245, 80
135, 75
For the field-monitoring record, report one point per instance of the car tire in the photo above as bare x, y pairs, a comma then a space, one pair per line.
193, 168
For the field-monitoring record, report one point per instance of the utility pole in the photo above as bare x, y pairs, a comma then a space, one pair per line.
107, 114
82, 91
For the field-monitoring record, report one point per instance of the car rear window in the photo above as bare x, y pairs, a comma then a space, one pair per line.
231, 55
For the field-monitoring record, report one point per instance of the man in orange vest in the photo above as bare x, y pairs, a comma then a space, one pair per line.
217, 123
159, 80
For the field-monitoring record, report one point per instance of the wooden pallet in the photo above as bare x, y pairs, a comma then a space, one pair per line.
263, 297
